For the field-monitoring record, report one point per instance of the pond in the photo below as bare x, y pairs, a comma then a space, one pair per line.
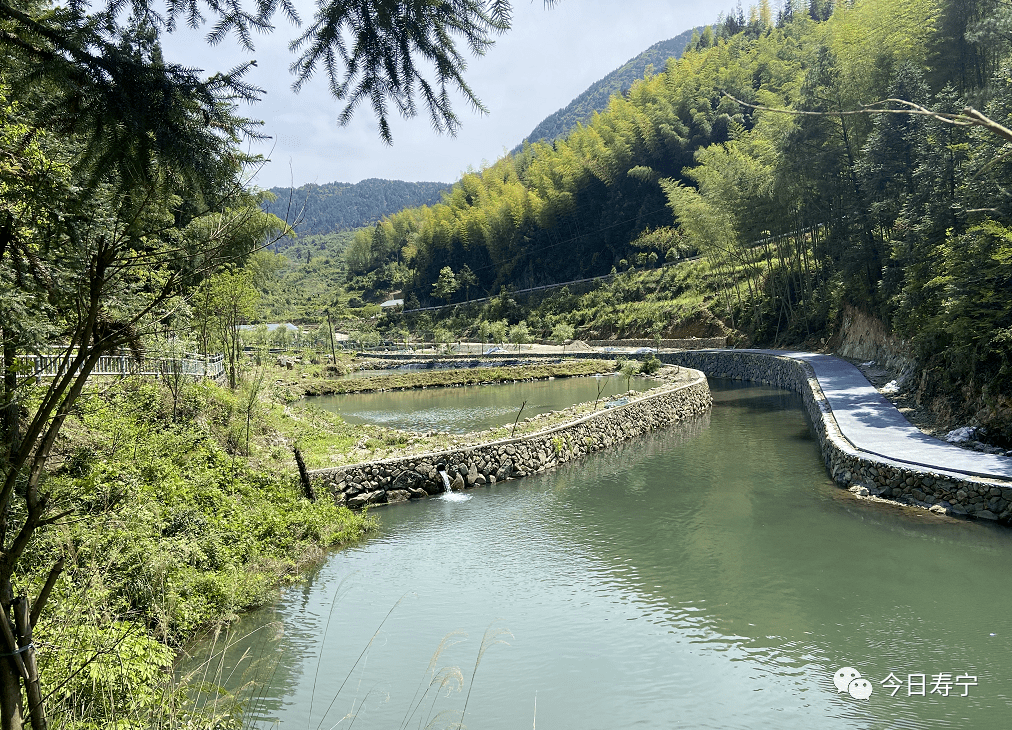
468, 408
706, 576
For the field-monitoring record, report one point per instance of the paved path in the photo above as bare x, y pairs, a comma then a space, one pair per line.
873, 424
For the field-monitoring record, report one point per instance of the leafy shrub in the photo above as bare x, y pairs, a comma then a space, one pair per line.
651, 365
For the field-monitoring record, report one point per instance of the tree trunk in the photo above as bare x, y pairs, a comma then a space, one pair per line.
12, 669
11, 711
36, 710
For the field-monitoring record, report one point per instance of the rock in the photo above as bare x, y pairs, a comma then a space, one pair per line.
407, 480
472, 475
417, 493
398, 495
491, 479
433, 486
504, 471
359, 500
987, 515
457, 484
479, 480
961, 435
377, 497
859, 490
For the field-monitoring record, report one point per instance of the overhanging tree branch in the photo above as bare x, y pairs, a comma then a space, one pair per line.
969, 117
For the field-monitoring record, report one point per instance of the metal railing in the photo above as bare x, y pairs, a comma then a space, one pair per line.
51, 366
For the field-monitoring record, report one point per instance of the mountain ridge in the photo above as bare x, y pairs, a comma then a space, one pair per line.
595, 97
338, 206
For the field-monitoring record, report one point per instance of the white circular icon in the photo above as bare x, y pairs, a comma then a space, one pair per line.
844, 677
860, 689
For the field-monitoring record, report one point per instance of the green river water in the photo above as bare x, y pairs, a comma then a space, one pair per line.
706, 576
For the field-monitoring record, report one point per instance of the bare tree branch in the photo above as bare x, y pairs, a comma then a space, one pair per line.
969, 117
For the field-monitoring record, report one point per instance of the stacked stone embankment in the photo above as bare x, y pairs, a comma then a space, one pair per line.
394, 480
867, 475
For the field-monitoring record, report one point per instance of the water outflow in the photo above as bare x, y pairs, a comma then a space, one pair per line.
448, 494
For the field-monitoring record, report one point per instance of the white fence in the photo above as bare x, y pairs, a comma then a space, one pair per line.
50, 366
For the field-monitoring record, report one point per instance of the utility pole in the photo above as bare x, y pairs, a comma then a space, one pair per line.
333, 351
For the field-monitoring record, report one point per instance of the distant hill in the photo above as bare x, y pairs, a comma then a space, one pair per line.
340, 206
595, 98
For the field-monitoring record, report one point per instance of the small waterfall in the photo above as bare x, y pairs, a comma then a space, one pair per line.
448, 494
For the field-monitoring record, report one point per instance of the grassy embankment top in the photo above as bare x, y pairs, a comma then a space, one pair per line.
458, 376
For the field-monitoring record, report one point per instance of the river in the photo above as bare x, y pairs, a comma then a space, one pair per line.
706, 576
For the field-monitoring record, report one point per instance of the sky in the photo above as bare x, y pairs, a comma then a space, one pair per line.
550, 56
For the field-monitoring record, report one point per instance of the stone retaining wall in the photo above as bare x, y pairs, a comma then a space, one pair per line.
865, 474
405, 478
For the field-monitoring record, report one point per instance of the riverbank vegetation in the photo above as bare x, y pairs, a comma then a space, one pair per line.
186, 511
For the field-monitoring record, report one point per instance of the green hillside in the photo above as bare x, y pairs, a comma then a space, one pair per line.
619, 81
337, 206
900, 216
